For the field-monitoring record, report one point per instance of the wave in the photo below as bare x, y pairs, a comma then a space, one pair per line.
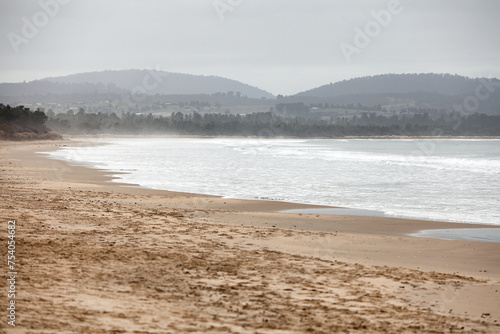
459, 182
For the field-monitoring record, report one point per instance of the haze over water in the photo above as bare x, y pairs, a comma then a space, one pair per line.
447, 180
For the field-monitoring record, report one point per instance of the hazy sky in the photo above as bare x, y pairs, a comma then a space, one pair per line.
283, 46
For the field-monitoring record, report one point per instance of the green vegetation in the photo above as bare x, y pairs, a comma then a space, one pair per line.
20, 123
277, 125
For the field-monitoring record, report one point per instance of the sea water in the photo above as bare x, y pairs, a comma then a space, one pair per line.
445, 180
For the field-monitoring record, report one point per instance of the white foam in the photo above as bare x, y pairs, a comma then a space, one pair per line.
458, 182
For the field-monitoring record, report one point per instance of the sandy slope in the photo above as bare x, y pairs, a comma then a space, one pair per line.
96, 257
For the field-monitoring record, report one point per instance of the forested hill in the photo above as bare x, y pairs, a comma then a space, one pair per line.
147, 82
146, 88
401, 91
154, 82
442, 84
39, 88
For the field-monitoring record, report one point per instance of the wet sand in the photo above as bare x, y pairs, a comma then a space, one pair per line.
102, 257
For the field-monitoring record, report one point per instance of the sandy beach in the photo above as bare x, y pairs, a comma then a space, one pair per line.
95, 256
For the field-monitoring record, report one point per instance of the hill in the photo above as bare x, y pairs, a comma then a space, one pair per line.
41, 88
139, 82
409, 90
153, 82
149, 90
443, 84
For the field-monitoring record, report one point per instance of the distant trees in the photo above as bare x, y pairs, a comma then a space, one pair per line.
292, 109
269, 124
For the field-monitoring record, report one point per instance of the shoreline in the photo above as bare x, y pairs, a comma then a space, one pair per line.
88, 177
77, 137
118, 253
86, 174
282, 206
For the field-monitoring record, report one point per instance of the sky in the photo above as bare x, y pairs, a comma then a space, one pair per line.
282, 46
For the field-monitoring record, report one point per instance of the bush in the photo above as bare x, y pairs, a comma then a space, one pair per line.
20, 123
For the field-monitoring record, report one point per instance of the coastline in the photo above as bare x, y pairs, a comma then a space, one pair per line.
108, 136
78, 173
419, 192
370, 246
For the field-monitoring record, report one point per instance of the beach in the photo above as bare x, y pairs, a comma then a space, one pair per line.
101, 257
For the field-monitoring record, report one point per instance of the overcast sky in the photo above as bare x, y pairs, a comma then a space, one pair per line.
282, 46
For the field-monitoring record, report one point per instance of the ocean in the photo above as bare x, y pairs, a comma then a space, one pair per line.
445, 180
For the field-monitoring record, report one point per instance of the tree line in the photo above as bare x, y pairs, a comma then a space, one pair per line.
270, 124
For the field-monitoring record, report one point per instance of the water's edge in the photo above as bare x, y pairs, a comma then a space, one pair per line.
124, 175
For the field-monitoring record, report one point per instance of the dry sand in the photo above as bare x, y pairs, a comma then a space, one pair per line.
100, 257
